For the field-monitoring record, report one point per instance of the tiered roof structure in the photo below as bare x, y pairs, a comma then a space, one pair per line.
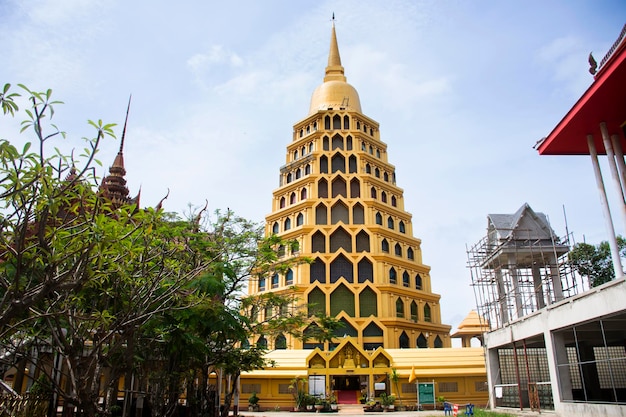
339, 199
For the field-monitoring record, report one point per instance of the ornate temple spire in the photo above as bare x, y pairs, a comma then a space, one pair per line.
334, 70
113, 186
335, 92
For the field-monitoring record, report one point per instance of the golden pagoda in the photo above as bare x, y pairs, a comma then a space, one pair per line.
339, 199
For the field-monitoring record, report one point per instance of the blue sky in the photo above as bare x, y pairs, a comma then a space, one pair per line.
462, 91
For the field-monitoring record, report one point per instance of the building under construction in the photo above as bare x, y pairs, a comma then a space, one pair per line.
519, 267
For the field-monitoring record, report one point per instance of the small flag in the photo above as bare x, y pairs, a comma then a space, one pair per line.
412, 376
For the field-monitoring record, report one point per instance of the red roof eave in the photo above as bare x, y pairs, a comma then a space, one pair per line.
604, 101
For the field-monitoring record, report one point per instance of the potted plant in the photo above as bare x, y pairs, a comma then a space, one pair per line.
363, 398
309, 401
394, 377
298, 392
387, 400
319, 404
441, 400
332, 400
253, 402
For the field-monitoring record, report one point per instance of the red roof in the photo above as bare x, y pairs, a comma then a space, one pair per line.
604, 101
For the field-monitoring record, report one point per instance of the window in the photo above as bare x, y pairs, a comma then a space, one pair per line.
289, 277
384, 246
282, 202
392, 276
281, 343
262, 342
427, 313
418, 282
398, 249
336, 122
262, 284
406, 279
250, 388
365, 271
322, 188
409, 254
399, 308
287, 224
379, 219
275, 228
383, 197
401, 227
393, 201
414, 312
292, 198
324, 165
390, 223
275, 280
449, 386
404, 341
373, 192
299, 219
346, 122
321, 214
422, 342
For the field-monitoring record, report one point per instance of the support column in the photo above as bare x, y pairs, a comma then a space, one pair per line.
617, 262
517, 293
502, 296
619, 156
613, 167
538, 287
555, 277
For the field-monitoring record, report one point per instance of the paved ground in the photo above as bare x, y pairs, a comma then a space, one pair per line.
358, 411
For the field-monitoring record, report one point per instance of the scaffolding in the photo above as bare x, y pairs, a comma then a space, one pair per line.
520, 267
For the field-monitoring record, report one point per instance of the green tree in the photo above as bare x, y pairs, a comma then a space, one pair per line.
594, 261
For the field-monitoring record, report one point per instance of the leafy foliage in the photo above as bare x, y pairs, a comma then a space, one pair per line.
594, 261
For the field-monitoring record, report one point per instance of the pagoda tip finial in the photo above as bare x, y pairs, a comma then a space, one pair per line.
125, 123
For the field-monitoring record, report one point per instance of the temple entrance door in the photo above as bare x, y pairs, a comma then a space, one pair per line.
347, 389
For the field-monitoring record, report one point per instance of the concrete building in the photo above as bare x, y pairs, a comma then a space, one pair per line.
339, 199
555, 343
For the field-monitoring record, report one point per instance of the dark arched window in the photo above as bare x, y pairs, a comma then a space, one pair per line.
383, 197
340, 239
427, 313
261, 342
438, 343
406, 279
299, 219
377, 173
323, 165
292, 198
358, 214
384, 246
404, 341
275, 281
307, 169
401, 227
346, 123
355, 188
337, 142
318, 242
321, 214
393, 201
390, 222
280, 342
339, 187
336, 122
368, 169
318, 271
322, 188
365, 271
282, 202
399, 308
422, 342
352, 164
418, 282
327, 122
392, 276
379, 219
289, 277
414, 311
303, 194
362, 242
287, 224
409, 254
373, 192
275, 228
398, 249
341, 267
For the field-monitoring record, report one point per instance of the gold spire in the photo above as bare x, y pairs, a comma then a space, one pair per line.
335, 92
334, 70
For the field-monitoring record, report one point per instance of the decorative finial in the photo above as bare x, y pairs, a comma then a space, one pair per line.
333, 19
125, 123
593, 65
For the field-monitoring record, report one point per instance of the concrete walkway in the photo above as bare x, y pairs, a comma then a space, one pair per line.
358, 411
